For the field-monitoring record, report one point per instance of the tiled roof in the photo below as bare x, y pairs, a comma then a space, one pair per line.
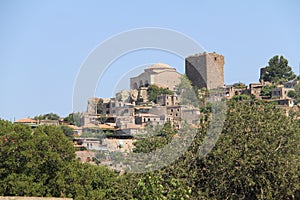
26, 120
105, 126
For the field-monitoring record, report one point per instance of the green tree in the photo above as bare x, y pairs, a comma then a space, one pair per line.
42, 163
278, 71
241, 97
240, 85
86, 182
153, 185
256, 157
68, 132
48, 116
187, 93
31, 161
266, 91
291, 94
297, 93
157, 138
153, 91
74, 119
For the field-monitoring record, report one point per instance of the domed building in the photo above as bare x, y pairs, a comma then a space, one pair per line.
159, 74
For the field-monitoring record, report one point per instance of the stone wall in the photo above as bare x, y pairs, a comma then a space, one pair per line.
205, 70
92, 105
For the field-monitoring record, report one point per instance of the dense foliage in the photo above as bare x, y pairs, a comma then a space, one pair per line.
160, 139
74, 119
67, 131
278, 71
297, 93
42, 163
189, 94
266, 91
153, 91
239, 85
256, 157
48, 116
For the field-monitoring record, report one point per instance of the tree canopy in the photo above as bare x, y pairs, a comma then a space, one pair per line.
74, 119
278, 71
153, 91
240, 85
266, 91
188, 94
297, 93
48, 116
42, 163
256, 157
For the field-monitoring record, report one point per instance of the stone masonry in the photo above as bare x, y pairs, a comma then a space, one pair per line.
205, 70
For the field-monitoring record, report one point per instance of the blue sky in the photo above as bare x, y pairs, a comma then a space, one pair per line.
44, 43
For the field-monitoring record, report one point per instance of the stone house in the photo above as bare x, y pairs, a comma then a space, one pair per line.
28, 121
148, 119
290, 84
49, 122
179, 114
284, 103
168, 100
255, 89
280, 92
231, 90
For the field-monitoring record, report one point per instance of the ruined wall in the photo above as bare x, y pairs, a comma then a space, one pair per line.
92, 105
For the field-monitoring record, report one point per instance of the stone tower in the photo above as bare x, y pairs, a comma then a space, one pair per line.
205, 70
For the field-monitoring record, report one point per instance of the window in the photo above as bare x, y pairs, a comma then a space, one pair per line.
215, 58
146, 83
171, 110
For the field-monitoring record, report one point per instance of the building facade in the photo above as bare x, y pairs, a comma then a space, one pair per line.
158, 74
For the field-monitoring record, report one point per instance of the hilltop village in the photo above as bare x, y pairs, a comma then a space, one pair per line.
156, 96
